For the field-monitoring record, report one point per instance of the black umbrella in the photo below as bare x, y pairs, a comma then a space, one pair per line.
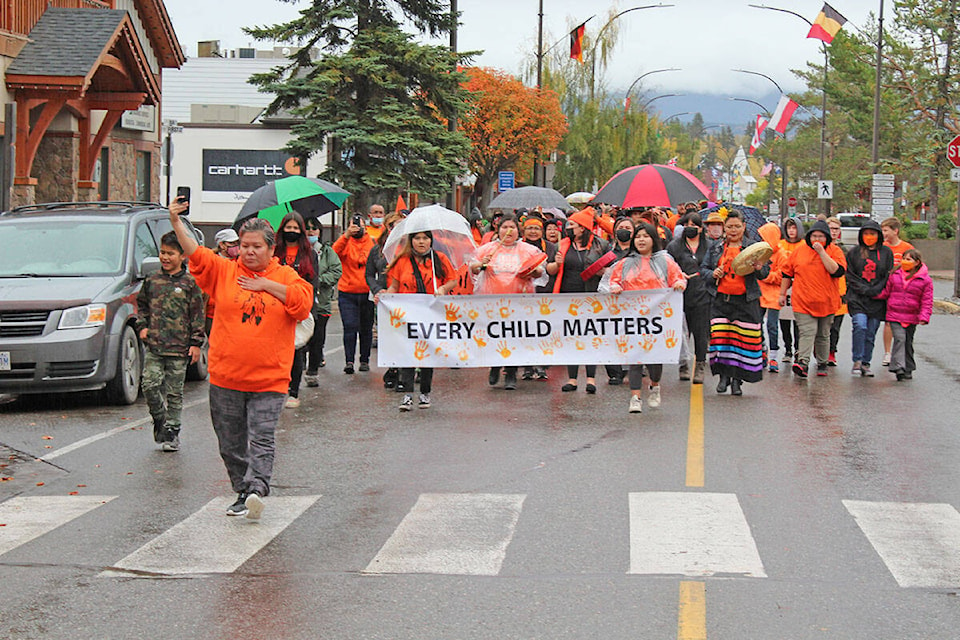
530, 198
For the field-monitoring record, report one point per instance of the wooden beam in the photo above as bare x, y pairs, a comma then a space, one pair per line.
109, 122
28, 140
115, 63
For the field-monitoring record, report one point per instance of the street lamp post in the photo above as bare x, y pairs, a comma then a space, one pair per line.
644, 75
825, 208
593, 50
626, 141
783, 161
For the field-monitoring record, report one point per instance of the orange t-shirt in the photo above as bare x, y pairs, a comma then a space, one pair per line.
402, 272
898, 251
730, 284
815, 292
251, 342
353, 254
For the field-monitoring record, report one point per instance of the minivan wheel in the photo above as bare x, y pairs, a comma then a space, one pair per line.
125, 386
198, 370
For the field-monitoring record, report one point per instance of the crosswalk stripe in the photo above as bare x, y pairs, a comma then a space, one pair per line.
691, 534
918, 542
209, 541
453, 534
26, 518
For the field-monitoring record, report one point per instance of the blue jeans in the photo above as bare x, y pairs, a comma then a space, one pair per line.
773, 329
357, 314
864, 335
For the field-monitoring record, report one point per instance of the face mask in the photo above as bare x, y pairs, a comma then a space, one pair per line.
313, 240
233, 252
869, 240
691, 231
570, 233
291, 237
377, 221
907, 264
624, 235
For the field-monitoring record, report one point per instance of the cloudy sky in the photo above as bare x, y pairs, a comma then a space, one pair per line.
704, 38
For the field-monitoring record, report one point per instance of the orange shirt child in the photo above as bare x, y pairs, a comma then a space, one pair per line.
898, 250
730, 284
402, 273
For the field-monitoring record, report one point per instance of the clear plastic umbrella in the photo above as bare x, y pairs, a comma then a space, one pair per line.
450, 230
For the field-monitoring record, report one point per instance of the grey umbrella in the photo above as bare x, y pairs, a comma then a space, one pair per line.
530, 197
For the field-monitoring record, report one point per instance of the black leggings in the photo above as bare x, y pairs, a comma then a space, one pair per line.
316, 344
698, 322
407, 376
788, 328
574, 369
655, 371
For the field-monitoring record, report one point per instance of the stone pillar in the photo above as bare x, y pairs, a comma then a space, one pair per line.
88, 191
23, 192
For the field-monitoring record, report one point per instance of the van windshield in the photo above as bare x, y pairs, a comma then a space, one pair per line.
58, 247
853, 221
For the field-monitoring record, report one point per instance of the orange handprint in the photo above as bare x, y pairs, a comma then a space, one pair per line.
420, 350
505, 310
464, 355
667, 309
545, 308
597, 343
580, 345
503, 349
648, 342
396, 318
643, 309
595, 304
479, 339
453, 312
574, 308
671, 341
614, 306
623, 344
473, 314
546, 347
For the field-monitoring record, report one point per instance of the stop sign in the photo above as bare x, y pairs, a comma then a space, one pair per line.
792, 202
953, 151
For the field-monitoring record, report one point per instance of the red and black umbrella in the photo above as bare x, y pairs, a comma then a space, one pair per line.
651, 185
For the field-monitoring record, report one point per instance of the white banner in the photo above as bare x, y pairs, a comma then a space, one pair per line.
416, 330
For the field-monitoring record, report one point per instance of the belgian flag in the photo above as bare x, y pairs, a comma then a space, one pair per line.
576, 42
827, 25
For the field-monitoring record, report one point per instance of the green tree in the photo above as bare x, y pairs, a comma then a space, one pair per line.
380, 100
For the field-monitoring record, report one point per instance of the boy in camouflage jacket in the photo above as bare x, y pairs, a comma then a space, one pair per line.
170, 315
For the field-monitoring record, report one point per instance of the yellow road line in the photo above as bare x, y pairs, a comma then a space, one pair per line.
692, 618
695, 438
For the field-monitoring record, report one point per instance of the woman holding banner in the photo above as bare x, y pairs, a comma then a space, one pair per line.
582, 258
506, 265
417, 268
647, 266
736, 341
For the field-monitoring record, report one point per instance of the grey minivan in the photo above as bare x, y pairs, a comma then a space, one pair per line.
69, 277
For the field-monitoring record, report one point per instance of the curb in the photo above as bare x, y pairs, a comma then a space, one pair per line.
942, 305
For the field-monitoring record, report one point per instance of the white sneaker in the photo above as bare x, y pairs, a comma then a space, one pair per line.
636, 404
292, 403
424, 401
886, 359
654, 398
254, 505
406, 403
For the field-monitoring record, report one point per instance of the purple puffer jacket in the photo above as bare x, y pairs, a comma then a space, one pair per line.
909, 301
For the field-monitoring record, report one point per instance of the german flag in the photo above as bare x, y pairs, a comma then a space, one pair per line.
827, 24
576, 42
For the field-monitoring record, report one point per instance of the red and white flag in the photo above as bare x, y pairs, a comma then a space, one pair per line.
781, 116
757, 140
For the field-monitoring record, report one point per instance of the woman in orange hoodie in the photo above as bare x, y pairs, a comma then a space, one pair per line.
770, 294
259, 303
357, 311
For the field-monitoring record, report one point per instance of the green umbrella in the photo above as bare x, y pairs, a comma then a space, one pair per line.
310, 197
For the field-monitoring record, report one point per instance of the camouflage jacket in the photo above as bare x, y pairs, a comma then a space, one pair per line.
171, 308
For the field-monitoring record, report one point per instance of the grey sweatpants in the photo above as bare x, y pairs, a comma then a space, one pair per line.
244, 422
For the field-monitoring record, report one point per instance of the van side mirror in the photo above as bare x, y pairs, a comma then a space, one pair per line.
148, 266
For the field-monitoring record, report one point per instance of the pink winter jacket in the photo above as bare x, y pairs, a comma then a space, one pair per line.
909, 301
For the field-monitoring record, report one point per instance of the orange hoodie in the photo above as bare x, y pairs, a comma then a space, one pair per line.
770, 286
353, 254
251, 345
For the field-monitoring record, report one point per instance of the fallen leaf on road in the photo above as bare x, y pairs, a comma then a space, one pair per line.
73, 493
39, 484
5, 478
81, 485
47, 437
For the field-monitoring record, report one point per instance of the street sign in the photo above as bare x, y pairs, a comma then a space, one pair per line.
882, 192
825, 189
505, 180
953, 151
954, 175
791, 202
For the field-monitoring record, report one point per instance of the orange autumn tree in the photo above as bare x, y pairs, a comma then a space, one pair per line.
508, 124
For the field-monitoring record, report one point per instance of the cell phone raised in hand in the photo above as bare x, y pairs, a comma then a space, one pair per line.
357, 221
183, 195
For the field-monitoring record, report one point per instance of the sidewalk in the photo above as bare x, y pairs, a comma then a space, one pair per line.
945, 304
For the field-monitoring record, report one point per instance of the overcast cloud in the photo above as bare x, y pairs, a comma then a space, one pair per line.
705, 38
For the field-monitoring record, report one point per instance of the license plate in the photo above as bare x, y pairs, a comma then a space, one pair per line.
4, 361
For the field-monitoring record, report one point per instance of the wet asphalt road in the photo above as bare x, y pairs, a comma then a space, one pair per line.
790, 451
